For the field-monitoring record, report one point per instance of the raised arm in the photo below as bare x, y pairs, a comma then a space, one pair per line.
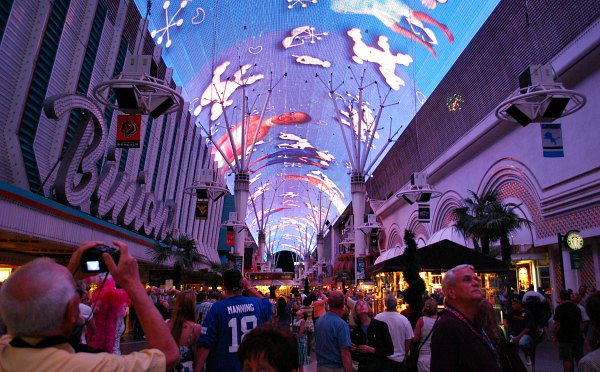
127, 275
251, 290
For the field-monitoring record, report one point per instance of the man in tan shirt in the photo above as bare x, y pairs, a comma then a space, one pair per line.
40, 306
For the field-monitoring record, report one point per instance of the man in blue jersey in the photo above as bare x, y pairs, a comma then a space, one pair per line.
228, 321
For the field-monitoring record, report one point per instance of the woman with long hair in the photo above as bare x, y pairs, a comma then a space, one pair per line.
184, 329
423, 330
371, 340
284, 314
508, 352
488, 321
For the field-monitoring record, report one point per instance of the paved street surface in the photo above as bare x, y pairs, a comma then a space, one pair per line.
546, 358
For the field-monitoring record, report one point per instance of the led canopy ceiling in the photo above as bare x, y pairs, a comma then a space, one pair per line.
303, 50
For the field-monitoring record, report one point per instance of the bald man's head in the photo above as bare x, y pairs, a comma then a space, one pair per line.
33, 300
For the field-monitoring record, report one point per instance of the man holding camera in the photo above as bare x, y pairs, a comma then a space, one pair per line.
40, 306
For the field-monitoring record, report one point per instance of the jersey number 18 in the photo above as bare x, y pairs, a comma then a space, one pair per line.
247, 323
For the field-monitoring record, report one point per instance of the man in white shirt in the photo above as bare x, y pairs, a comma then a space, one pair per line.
531, 294
400, 331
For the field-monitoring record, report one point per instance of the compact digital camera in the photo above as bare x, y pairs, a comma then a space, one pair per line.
92, 261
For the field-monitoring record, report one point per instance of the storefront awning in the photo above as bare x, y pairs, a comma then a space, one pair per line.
442, 256
390, 253
272, 282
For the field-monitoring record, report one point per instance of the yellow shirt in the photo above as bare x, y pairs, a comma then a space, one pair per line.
63, 358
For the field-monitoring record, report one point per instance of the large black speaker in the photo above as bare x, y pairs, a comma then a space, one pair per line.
202, 194
556, 107
518, 115
407, 199
163, 106
126, 98
424, 197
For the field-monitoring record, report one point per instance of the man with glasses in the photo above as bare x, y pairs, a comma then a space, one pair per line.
458, 343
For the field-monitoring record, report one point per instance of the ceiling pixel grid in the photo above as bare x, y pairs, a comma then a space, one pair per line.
397, 50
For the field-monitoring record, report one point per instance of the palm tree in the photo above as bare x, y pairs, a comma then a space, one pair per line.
182, 250
343, 276
472, 219
503, 220
485, 219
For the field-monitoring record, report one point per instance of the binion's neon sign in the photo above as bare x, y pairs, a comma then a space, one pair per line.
109, 193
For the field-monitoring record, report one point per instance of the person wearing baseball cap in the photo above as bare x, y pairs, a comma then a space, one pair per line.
228, 321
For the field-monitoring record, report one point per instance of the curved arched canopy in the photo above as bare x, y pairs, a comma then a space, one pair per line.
402, 49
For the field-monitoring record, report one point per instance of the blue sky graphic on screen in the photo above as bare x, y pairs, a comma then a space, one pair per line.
401, 48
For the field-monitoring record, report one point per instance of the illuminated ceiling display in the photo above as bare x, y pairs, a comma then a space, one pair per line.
402, 48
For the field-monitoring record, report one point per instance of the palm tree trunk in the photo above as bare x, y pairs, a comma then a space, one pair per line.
485, 245
505, 247
177, 276
476, 245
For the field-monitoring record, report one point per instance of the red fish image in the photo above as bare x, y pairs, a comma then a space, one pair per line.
287, 118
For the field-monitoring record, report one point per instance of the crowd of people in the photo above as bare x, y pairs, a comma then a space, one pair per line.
53, 324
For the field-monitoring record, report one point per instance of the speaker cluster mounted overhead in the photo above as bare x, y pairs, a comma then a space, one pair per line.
419, 190
209, 185
138, 90
539, 98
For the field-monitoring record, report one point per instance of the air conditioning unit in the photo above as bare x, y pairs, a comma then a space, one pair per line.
536, 75
207, 176
418, 179
143, 64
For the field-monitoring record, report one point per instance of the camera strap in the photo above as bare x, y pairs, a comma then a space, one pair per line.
97, 298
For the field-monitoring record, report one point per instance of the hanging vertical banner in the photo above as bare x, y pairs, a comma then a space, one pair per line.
360, 268
129, 128
424, 213
238, 261
230, 237
552, 144
201, 209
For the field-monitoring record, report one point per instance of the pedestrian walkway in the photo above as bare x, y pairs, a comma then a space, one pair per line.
546, 359
546, 356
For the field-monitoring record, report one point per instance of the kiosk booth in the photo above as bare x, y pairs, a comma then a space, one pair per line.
435, 259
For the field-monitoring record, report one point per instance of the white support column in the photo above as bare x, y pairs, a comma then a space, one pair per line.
320, 244
358, 189
241, 187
